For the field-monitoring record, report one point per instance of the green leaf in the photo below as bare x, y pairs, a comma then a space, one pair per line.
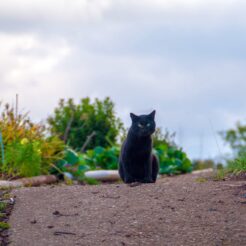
71, 156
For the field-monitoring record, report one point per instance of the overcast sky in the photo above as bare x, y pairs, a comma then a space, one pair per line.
186, 59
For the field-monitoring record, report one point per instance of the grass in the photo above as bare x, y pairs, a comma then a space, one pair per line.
220, 174
3, 206
201, 180
5, 209
92, 181
6, 196
234, 167
4, 225
238, 165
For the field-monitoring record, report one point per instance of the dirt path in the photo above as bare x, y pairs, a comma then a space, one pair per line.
174, 211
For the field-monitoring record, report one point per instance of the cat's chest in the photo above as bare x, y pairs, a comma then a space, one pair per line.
140, 150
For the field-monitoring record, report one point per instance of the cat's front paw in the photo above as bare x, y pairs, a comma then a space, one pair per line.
129, 180
148, 180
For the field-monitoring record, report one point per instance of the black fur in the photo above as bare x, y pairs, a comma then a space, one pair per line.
137, 163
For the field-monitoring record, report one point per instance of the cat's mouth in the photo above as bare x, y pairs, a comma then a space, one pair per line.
146, 133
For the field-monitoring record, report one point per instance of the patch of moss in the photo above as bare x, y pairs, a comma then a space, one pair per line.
201, 180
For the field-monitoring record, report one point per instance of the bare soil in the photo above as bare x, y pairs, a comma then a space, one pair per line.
183, 210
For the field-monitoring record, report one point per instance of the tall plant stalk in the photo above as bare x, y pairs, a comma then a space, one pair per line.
2, 147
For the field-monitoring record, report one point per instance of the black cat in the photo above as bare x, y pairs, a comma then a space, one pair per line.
137, 163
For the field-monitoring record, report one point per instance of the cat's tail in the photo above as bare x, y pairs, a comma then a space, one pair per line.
155, 167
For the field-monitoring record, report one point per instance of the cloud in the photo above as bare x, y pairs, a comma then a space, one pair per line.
30, 67
56, 10
65, 14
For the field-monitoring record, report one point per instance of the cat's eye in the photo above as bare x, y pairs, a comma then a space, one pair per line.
148, 125
140, 125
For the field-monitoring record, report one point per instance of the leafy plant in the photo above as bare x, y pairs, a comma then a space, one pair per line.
25, 148
86, 125
73, 164
22, 159
102, 158
78, 163
171, 158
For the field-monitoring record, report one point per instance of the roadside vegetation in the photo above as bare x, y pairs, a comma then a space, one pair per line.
76, 137
236, 166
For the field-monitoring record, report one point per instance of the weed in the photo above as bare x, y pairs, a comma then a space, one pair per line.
4, 225
220, 174
92, 181
6, 196
238, 165
25, 148
3, 206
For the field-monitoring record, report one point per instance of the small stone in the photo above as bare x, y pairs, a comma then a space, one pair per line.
57, 213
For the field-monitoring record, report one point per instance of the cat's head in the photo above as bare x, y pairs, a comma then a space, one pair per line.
143, 125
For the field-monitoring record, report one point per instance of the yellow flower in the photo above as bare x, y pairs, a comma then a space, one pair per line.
24, 141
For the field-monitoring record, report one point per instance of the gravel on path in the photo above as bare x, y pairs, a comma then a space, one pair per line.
182, 210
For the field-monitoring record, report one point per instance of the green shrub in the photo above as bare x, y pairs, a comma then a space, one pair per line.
172, 159
102, 158
22, 159
236, 138
238, 165
86, 125
78, 163
71, 163
25, 148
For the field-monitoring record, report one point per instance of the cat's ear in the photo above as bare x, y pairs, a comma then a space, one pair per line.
133, 117
152, 114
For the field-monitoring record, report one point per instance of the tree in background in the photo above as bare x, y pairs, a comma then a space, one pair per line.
87, 124
236, 138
